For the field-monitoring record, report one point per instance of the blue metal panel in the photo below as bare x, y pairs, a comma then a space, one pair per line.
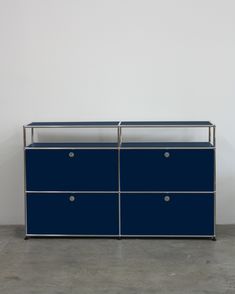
184, 214
167, 123
167, 144
75, 145
54, 170
89, 214
70, 124
124, 123
183, 170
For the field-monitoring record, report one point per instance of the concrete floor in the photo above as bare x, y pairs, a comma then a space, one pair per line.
127, 266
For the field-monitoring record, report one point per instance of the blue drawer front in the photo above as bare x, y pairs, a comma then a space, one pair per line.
184, 215
183, 170
87, 170
88, 214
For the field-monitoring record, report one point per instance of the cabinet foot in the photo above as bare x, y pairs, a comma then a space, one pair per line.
213, 238
26, 238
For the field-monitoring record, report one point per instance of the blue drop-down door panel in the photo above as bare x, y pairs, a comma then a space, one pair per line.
72, 214
167, 170
167, 214
72, 170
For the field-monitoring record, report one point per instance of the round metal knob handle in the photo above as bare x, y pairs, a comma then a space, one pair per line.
167, 154
71, 198
167, 198
71, 154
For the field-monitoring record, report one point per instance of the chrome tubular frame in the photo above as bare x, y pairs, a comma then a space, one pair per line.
25, 184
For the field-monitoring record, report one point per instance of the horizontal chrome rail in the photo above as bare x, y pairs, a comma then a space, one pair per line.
69, 148
70, 126
124, 192
167, 126
71, 192
124, 236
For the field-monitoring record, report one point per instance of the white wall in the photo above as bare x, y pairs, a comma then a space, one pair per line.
115, 60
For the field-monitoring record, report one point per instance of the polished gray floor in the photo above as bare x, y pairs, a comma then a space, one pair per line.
128, 266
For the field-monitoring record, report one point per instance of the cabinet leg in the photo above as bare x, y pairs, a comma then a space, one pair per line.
213, 238
26, 238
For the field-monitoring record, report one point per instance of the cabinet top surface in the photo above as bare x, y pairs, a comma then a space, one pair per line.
166, 123
113, 145
71, 124
121, 123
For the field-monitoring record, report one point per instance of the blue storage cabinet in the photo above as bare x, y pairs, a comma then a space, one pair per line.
120, 189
